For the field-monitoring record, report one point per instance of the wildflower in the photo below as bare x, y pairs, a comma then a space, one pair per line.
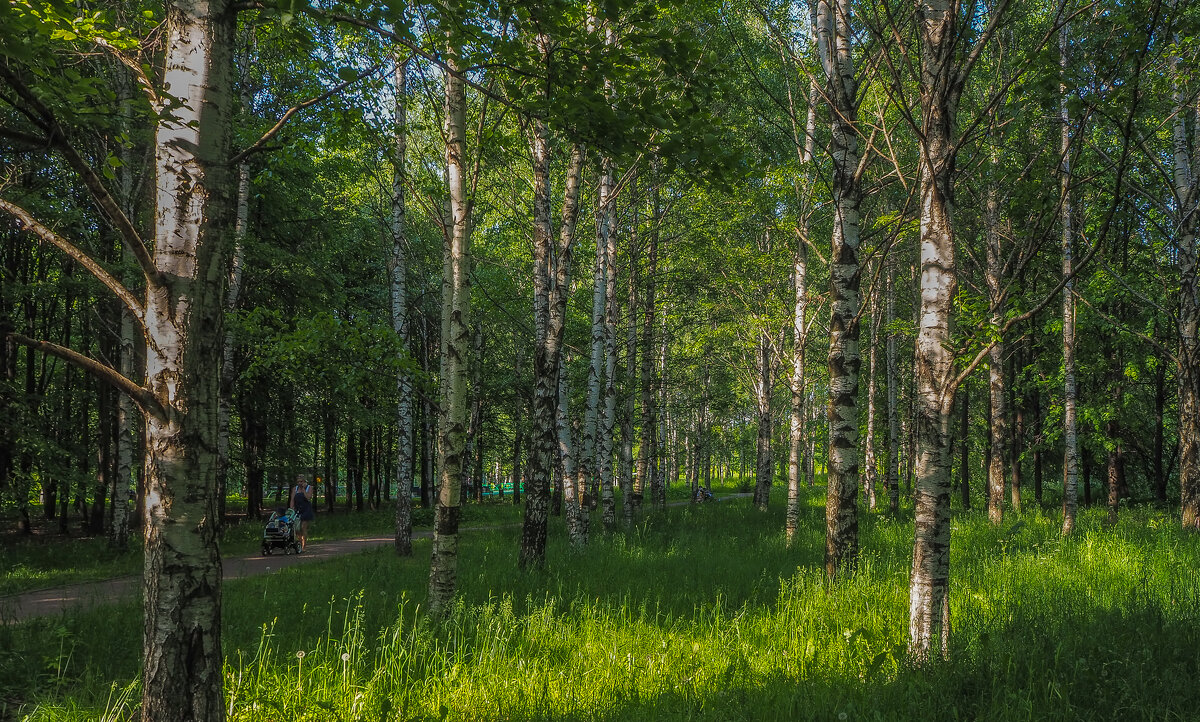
300, 654
345, 656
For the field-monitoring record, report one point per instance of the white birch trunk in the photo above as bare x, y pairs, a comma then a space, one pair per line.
606, 237
796, 431
399, 292
545, 360
834, 38
764, 384
626, 460
456, 340
1070, 427
577, 531
589, 462
551, 287
870, 462
126, 442
997, 391
182, 663
941, 84
892, 475
1186, 175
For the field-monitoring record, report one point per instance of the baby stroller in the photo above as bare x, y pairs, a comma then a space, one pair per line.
282, 532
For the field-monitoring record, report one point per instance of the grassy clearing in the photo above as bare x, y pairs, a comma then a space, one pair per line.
700, 615
48, 560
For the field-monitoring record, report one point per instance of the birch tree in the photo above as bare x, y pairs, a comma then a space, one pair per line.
398, 266
943, 76
997, 392
835, 47
456, 334
1186, 187
551, 269
180, 318
800, 312
606, 239
1070, 425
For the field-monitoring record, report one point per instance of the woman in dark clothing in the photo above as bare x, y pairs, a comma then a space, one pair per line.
301, 500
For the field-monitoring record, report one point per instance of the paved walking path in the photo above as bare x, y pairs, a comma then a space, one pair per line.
44, 602
47, 602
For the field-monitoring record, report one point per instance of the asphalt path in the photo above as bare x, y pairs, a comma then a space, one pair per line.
48, 602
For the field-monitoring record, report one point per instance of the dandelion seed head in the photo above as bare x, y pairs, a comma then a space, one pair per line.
842, 715
345, 656
300, 654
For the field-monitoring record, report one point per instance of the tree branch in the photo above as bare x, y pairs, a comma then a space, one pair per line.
36, 141
1126, 140
107, 204
261, 142
138, 394
31, 224
416, 50
1121, 327
138, 73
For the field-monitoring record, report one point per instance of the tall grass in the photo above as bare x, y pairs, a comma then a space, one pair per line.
702, 614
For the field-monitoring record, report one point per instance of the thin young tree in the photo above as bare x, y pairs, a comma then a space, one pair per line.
398, 265
1070, 425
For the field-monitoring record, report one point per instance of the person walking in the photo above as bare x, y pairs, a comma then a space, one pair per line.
301, 501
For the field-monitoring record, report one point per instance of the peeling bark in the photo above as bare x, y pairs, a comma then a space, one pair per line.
182, 673
834, 40
941, 86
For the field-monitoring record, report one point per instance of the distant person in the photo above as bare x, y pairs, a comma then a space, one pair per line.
301, 500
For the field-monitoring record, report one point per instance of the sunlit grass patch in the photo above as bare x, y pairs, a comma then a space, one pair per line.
702, 614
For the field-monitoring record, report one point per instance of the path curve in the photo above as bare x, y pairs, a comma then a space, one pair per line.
17, 608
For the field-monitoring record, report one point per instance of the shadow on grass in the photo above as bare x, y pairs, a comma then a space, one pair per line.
1091, 665
1092, 628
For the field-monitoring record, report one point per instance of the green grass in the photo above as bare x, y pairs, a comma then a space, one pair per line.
48, 560
703, 614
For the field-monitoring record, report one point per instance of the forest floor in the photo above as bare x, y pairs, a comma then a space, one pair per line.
706, 613
15, 608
